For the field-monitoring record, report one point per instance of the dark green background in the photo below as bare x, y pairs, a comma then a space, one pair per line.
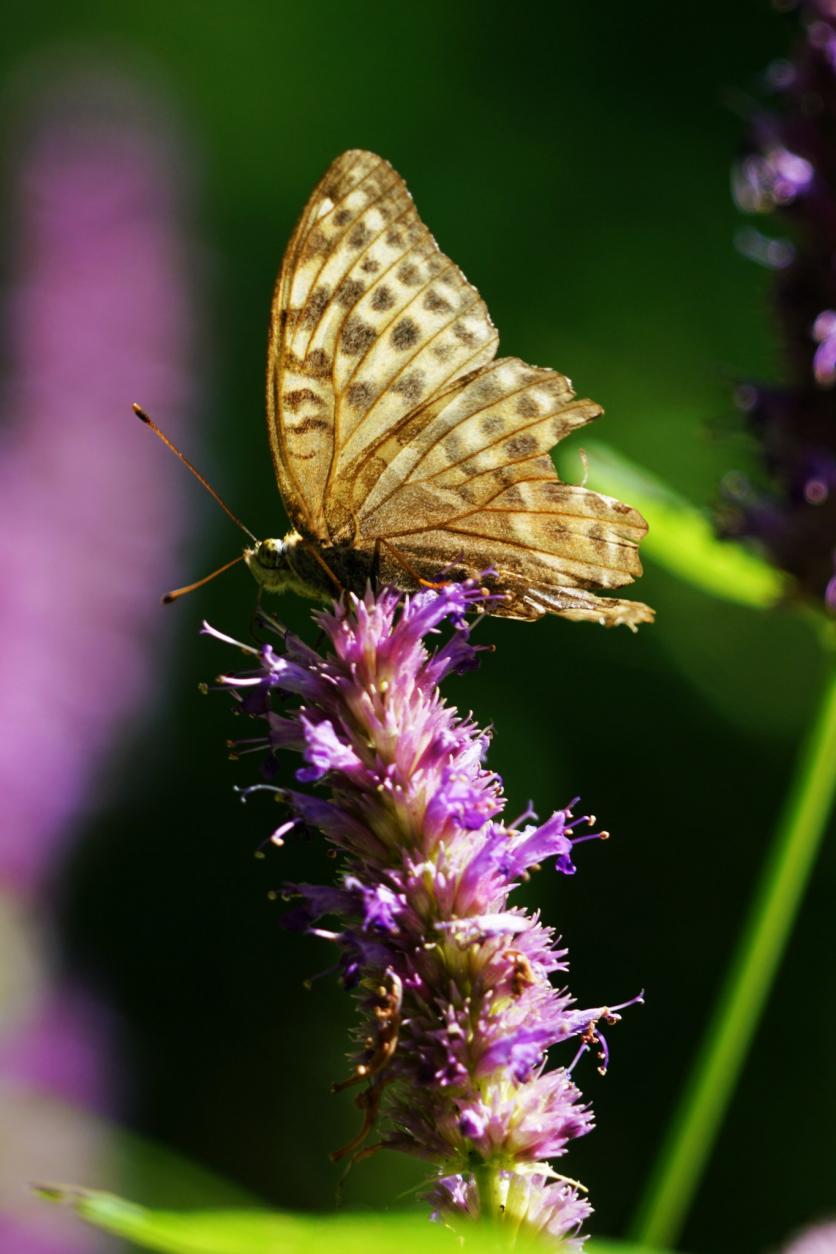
574, 159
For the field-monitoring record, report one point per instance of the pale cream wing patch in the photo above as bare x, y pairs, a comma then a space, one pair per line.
369, 320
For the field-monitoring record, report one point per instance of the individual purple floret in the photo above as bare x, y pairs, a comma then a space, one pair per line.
454, 983
789, 169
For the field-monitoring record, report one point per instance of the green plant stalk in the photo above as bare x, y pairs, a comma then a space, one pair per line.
490, 1192
696, 1123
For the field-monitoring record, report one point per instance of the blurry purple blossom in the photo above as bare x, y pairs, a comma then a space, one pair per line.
455, 983
98, 315
97, 312
789, 169
820, 1239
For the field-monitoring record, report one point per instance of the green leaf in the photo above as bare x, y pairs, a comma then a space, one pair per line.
681, 537
271, 1232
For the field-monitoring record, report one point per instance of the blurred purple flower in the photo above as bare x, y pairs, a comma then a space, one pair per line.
789, 169
820, 1239
454, 983
97, 313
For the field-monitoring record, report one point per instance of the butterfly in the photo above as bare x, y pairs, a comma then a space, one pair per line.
405, 451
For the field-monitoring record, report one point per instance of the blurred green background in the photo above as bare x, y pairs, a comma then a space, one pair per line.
574, 160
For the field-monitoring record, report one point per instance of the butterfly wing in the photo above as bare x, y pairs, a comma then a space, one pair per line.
467, 481
369, 319
392, 428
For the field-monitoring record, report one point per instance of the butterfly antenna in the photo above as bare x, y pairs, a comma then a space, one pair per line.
149, 422
191, 587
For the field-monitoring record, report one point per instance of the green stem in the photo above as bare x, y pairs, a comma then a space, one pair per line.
490, 1194
695, 1124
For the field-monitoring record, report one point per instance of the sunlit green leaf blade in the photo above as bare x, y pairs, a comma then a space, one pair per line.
681, 538
272, 1232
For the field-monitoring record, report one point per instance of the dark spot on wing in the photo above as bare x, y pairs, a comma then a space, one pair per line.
382, 298
487, 390
463, 335
349, 292
526, 406
436, 303
557, 386
452, 446
552, 491
315, 306
310, 424
405, 334
521, 445
492, 424
359, 236
370, 266
360, 395
301, 396
410, 386
357, 336
408, 274
317, 363
342, 217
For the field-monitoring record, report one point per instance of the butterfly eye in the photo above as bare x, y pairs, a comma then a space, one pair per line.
270, 554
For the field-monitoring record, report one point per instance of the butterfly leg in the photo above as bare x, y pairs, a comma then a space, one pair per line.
317, 556
256, 620
260, 618
374, 576
413, 574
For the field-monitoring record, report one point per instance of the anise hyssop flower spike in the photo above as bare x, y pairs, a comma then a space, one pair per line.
455, 984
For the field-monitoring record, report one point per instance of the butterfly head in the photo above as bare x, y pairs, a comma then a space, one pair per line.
281, 566
268, 562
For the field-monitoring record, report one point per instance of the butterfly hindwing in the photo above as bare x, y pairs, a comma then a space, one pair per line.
460, 449
472, 469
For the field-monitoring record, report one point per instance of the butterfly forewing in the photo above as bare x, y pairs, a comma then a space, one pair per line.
370, 319
394, 430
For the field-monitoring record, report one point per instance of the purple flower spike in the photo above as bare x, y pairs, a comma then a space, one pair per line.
99, 306
789, 170
454, 983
